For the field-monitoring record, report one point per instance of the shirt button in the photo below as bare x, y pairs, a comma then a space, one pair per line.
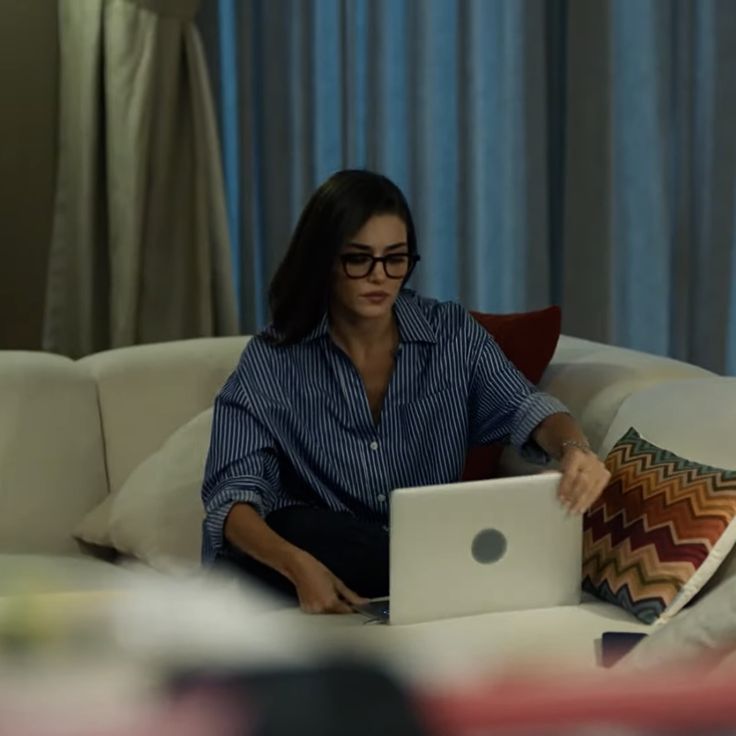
373, 445
381, 497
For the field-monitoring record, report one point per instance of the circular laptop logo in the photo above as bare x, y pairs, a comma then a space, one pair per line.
489, 546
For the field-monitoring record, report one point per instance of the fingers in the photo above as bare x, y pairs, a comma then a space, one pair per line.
340, 599
565, 488
331, 605
339, 606
603, 476
349, 595
584, 479
580, 487
590, 493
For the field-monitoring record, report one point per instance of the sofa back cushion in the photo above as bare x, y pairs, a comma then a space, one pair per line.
593, 380
52, 468
692, 418
146, 392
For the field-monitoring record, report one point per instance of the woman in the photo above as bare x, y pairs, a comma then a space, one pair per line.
360, 386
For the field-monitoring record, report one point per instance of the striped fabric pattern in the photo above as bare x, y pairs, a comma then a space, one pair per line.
292, 425
658, 531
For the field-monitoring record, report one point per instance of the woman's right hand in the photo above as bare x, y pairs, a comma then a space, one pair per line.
319, 590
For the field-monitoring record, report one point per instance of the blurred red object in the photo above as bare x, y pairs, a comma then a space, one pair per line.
690, 700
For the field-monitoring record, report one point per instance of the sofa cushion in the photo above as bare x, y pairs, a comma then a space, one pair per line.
593, 381
31, 574
689, 417
52, 467
157, 515
147, 391
528, 339
658, 531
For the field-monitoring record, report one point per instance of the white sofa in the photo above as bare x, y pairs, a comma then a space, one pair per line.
72, 433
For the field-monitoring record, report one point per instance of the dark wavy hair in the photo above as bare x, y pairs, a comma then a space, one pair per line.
299, 292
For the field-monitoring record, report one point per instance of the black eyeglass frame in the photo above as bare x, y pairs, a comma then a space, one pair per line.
413, 258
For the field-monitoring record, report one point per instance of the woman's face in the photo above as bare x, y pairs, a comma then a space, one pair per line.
371, 295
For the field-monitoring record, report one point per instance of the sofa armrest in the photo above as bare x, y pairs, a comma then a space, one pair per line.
52, 468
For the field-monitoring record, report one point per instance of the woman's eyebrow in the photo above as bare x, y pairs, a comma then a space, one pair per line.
361, 246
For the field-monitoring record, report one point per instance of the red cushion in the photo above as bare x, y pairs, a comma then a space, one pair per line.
529, 340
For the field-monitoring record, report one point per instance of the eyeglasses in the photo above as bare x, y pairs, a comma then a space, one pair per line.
395, 265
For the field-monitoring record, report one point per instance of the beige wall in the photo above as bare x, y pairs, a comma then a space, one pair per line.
28, 117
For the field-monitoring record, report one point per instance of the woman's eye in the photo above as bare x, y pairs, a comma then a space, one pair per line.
358, 260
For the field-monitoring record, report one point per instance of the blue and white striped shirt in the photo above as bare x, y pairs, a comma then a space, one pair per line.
292, 425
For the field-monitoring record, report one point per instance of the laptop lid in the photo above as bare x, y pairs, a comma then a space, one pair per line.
483, 546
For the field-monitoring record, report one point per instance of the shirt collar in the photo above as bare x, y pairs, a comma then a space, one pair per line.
413, 325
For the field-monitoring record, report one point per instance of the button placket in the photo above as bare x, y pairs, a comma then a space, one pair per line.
373, 445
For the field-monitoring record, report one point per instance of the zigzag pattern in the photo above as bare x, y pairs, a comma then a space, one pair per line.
647, 610
681, 517
639, 569
654, 525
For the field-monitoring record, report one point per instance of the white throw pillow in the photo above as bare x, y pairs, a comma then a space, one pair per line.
94, 529
705, 630
157, 514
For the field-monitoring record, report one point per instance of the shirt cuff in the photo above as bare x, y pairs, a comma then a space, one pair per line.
217, 509
533, 410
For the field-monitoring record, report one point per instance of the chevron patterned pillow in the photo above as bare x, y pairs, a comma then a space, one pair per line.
658, 531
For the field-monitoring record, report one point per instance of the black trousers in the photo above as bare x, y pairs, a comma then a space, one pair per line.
355, 551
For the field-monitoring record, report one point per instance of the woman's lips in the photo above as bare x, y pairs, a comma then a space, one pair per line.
376, 297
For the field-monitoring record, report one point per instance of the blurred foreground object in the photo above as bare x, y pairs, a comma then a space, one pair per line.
158, 655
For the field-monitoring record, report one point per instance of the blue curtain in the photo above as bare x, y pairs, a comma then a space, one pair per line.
552, 151
673, 171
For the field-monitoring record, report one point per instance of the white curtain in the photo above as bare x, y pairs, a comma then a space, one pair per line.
140, 250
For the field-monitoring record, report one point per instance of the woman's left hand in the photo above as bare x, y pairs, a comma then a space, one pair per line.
584, 477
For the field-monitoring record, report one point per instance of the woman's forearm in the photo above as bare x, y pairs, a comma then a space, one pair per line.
557, 432
246, 530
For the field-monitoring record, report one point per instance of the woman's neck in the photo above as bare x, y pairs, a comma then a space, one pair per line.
361, 337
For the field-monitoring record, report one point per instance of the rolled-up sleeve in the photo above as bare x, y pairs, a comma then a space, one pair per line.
503, 404
241, 466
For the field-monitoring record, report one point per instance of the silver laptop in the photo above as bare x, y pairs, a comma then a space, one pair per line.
478, 547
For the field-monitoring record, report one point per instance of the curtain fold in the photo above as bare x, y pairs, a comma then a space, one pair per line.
407, 87
551, 150
651, 177
140, 249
